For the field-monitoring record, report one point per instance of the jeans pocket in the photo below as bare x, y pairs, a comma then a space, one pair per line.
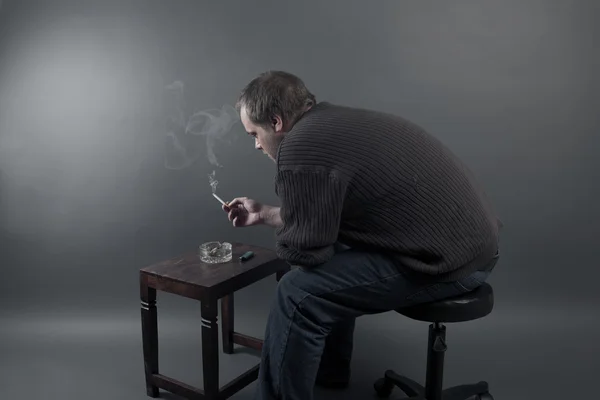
424, 295
477, 278
467, 284
472, 281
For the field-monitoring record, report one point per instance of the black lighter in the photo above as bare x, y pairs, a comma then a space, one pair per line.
247, 255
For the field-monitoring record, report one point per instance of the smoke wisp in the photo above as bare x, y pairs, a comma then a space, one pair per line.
213, 182
189, 138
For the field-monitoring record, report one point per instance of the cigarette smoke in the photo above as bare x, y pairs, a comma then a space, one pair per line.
184, 142
213, 182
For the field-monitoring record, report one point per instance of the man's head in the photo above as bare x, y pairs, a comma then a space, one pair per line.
269, 107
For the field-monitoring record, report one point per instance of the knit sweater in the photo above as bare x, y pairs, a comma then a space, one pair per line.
378, 182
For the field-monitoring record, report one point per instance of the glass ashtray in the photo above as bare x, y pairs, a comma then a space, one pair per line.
215, 252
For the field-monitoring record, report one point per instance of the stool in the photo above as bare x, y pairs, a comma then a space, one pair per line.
470, 306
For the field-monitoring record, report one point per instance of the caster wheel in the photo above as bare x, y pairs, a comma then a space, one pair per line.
485, 396
384, 388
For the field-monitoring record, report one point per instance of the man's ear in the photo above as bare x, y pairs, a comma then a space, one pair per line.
277, 123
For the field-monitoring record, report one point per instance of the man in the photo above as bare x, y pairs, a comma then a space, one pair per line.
375, 213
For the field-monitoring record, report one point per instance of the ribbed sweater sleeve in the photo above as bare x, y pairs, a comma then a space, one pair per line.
311, 206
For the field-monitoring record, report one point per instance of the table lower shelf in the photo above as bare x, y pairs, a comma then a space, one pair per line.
247, 341
193, 393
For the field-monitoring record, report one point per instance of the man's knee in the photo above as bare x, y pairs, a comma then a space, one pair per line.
288, 290
294, 299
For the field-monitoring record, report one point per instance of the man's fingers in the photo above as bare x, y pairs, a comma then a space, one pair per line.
234, 208
236, 201
233, 213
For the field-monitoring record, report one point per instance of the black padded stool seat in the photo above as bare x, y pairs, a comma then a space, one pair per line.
470, 306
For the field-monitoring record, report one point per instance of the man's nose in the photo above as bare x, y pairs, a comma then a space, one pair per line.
257, 145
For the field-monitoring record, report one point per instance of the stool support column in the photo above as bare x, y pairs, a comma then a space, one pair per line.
435, 361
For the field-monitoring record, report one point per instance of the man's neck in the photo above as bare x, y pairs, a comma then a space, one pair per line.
289, 128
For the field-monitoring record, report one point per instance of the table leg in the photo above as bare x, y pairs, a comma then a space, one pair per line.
227, 326
149, 336
210, 349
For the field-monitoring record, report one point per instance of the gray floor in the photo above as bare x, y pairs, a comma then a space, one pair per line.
523, 352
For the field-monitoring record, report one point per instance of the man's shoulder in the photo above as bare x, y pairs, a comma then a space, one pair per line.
330, 120
312, 133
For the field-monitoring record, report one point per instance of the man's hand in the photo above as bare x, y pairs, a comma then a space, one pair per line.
243, 212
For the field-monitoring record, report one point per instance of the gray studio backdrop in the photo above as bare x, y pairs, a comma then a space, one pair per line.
114, 113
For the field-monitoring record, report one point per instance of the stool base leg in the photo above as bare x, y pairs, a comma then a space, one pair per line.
407, 385
433, 389
415, 391
383, 387
475, 391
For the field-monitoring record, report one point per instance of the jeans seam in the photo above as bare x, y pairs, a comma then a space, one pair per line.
283, 348
459, 283
424, 290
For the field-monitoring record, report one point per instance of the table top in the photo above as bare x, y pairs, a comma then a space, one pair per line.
188, 269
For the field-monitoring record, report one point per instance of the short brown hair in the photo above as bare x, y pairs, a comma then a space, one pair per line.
275, 93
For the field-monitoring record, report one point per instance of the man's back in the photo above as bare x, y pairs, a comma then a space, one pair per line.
401, 191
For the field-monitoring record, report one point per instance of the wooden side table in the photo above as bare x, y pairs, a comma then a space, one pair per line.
188, 276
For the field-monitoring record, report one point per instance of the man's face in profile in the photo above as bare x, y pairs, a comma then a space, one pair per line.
266, 139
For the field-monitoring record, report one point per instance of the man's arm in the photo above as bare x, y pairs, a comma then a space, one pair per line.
271, 216
311, 208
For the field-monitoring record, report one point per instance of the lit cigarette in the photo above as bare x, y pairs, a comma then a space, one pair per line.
220, 200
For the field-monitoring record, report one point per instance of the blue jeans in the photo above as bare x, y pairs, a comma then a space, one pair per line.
310, 327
